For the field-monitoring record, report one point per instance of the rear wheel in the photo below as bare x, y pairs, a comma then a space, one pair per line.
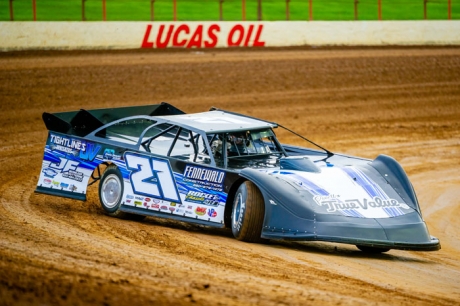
248, 213
111, 194
372, 250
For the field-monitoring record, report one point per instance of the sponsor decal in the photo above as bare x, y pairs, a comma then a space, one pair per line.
190, 207
356, 196
202, 198
204, 174
55, 183
179, 210
68, 168
138, 203
156, 206
188, 212
203, 36
333, 203
64, 149
64, 185
172, 204
204, 177
68, 143
128, 201
200, 211
147, 199
88, 150
212, 213
110, 154
129, 196
73, 175
48, 172
91, 151
47, 181
164, 207
172, 209
139, 198
72, 187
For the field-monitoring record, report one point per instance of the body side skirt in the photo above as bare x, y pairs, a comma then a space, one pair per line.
145, 212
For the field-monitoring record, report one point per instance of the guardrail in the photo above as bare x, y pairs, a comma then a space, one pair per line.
230, 10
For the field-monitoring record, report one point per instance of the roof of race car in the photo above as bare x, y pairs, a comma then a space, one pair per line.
217, 121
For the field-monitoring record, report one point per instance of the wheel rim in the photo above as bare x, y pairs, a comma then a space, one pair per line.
111, 191
237, 210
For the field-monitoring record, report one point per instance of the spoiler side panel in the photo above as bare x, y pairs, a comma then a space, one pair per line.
68, 163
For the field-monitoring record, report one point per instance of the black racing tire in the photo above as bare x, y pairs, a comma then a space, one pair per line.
111, 193
372, 250
248, 213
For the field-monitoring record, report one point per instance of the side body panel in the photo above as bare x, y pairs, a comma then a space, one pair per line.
158, 186
153, 184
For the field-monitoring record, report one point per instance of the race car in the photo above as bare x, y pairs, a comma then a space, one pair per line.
222, 169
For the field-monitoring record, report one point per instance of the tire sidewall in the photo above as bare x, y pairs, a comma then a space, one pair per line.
239, 210
111, 171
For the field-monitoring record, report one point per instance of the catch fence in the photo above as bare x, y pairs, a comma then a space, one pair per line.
227, 10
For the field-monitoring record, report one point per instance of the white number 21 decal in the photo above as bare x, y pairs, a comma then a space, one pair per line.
152, 177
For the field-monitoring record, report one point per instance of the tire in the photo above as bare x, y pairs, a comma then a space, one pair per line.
372, 250
111, 193
248, 213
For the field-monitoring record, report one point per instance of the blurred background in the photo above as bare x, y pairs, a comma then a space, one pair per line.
227, 10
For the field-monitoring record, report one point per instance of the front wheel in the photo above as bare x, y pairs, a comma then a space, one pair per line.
111, 194
248, 213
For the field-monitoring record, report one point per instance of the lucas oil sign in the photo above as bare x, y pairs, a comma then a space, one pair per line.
209, 35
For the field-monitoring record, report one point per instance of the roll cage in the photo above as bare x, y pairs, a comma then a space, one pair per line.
185, 142
165, 130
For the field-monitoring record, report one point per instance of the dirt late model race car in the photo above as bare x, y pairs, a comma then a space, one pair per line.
222, 169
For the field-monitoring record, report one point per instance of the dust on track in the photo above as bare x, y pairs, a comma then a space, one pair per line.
404, 102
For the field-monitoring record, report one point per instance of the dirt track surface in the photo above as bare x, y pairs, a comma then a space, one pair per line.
403, 102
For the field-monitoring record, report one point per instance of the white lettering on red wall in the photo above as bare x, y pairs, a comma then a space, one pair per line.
202, 36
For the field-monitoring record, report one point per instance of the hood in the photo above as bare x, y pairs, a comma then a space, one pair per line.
348, 191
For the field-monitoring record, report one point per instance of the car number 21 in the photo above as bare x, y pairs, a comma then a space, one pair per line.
152, 177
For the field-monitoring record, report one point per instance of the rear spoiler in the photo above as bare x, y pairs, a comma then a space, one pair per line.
83, 122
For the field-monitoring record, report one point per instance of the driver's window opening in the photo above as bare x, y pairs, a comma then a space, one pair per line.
251, 143
216, 145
